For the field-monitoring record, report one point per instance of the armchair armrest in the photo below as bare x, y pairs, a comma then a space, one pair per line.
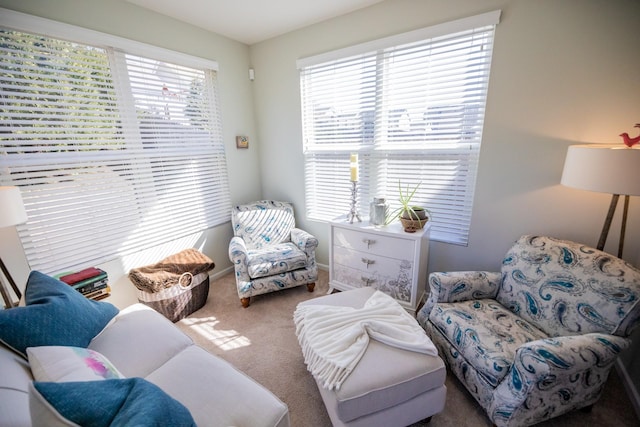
305, 241
459, 286
551, 367
239, 258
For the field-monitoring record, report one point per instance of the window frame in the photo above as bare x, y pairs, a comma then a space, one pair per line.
117, 49
454, 157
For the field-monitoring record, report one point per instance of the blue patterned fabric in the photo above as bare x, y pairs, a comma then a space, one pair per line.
263, 224
460, 286
567, 289
484, 331
55, 314
275, 259
268, 252
112, 403
539, 338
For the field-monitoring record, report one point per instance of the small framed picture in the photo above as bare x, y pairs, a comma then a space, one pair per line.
242, 142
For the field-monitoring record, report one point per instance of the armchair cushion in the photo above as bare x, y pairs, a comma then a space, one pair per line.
275, 259
485, 333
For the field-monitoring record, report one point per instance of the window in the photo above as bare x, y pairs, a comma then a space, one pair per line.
412, 107
113, 151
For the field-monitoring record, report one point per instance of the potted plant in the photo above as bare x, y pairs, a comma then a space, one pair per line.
411, 216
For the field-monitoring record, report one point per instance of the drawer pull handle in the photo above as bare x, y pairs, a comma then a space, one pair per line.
369, 242
367, 281
368, 261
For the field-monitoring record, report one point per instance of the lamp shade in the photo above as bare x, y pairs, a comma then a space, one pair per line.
605, 168
11, 207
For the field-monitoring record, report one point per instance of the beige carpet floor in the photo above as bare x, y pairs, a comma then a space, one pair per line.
260, 341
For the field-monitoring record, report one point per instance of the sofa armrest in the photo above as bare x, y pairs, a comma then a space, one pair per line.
544, 369
459, 286
305, 241
239, 257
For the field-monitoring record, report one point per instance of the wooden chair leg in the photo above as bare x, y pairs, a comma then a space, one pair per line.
311, 286
245, 302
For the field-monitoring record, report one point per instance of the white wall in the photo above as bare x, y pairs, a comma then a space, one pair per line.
564, 72
126, 20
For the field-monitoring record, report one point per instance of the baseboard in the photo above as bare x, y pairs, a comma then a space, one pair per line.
630, 388
221, 273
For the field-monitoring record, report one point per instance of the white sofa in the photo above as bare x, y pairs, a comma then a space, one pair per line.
140, 342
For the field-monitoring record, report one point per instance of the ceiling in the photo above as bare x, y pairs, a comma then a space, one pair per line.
252, 21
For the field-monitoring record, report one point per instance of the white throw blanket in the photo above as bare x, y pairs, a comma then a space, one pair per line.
334, 338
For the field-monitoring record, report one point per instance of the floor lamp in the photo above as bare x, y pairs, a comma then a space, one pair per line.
12, 213
605, 168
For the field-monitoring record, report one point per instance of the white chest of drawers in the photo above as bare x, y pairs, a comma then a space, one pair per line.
386, 258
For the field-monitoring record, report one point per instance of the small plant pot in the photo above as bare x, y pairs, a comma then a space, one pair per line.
412, 225
417, 213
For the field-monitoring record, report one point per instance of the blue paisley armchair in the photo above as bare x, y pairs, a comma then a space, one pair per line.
539, 338
268, 252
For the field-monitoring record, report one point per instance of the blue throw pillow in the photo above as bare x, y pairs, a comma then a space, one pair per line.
55, 314
116, 402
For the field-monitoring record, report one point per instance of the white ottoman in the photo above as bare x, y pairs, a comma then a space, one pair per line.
389, 386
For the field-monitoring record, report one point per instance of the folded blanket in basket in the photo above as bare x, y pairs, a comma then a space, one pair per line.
334, 338
178, 268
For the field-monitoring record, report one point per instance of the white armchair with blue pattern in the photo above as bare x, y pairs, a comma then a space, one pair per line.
539, 338
268, 252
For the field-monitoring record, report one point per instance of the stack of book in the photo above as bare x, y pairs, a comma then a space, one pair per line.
91, 282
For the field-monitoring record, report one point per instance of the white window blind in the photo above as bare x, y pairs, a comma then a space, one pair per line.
413, 109
113, 152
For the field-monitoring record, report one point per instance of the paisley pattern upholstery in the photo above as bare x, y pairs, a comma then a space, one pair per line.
567, 289
268, 252
484, 331
263, 224
275, 259
539, 338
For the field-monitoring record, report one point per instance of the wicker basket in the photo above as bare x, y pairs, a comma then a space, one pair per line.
176, 286
178, 301
413, 225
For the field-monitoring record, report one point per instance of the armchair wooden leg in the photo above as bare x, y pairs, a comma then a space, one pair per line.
311, 286
245, 302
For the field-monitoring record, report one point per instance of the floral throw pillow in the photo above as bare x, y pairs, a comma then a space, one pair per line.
63, 364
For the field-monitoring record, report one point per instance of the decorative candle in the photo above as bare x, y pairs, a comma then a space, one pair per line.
354, 167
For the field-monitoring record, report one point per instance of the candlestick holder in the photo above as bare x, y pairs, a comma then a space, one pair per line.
353, 213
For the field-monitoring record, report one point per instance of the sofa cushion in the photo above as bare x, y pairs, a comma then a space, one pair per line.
55, 314
65, 364
275, 259
15, 377
115, 402
485, 333
216, 393
139, 340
